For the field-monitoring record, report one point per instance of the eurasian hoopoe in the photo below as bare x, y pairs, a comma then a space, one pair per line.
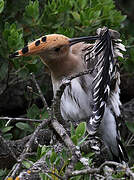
94, 96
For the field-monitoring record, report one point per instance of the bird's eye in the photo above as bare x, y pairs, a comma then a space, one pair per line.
57, 49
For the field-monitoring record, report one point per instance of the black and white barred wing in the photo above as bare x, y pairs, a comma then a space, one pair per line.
107, 79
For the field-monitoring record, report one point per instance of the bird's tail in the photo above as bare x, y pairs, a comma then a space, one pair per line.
121, 155
122, 152
111, 138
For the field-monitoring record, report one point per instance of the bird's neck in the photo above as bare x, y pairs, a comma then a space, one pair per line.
62, 68
67, 66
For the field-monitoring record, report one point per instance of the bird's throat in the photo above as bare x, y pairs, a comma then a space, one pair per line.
64, 67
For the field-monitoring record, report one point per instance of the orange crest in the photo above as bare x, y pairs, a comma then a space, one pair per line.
41, 44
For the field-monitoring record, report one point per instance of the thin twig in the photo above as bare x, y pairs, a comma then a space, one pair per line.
50, 172
10, 119
98, 170
80, 74
57, 101
42, 97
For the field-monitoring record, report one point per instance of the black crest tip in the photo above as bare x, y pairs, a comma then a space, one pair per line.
16, 54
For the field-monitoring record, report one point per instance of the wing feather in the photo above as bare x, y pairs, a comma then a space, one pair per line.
104, 53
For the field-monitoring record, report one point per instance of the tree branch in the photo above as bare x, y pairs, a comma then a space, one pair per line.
124, 167
17, 167
10, 119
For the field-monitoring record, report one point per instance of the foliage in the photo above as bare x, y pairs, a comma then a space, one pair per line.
77, 134
3, 173
72, 18
27, 20
30, 19
58, 161
5, 129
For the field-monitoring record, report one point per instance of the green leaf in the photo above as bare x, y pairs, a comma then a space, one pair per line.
44, 114
2, 172
39, 152
6, 129
8, 136
76, 16
130, 126
57, 160
72, 130
119, 175
36, 9
53, 157
91, 154
33, 112
13, 36
43, 176
6, 33
31, 12
75, 139
23, 126
11, 42
13, 27
78, 166
1, 5
44, 150
80, 130
83, 3
27, 164
64, 155
83, 140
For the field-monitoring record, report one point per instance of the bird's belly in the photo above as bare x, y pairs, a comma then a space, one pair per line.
76, 102
71, 110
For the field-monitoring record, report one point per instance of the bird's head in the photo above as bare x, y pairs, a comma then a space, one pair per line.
52, 49
52, 46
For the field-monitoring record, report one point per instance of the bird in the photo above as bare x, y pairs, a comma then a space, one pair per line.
93, 96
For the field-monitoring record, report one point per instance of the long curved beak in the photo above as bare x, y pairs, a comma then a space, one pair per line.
73, 41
